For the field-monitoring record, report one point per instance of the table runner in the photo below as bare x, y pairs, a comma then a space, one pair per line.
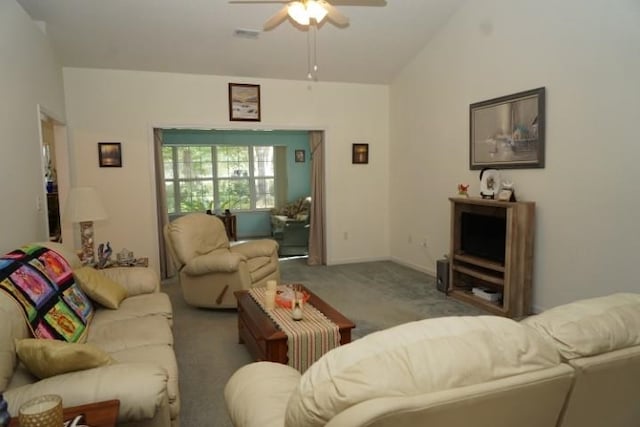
309, 338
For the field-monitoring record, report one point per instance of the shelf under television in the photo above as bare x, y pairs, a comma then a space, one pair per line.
467, 296
480, 262
498, 281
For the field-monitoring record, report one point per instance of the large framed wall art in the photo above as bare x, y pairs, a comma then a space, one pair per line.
508, 132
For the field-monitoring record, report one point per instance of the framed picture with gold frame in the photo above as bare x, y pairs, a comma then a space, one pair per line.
360, 154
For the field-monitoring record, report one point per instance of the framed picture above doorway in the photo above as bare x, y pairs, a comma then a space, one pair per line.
244, 102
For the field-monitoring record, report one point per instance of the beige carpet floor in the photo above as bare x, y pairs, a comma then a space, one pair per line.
373, 295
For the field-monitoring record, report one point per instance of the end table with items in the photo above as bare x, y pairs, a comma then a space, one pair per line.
99, 414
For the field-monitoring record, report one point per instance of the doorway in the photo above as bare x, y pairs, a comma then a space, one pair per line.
55, 170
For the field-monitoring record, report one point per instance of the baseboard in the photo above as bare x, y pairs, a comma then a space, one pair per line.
429, 271
357, 260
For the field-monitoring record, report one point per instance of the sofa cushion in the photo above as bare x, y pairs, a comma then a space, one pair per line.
46, 358
12, 326
136, 307
414, 358
41, 281
100, 288
161, 355
591, 326
130, 333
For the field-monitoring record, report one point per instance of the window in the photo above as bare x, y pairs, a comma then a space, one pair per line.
198, 178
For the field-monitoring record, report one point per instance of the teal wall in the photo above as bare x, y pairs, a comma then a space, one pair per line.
257, 223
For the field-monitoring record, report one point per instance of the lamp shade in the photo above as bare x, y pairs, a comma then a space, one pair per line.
84, 204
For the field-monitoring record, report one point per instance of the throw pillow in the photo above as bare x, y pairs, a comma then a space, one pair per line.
46, 358
100, 288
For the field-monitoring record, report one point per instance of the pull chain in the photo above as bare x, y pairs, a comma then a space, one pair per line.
312, 50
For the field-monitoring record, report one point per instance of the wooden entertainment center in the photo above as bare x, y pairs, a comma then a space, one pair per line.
508, 273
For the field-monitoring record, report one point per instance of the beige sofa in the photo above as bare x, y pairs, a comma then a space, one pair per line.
576, 365
137, 336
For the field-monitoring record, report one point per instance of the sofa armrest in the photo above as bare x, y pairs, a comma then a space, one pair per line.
218, 261
256, 248
140, 387
257, 394
136, 280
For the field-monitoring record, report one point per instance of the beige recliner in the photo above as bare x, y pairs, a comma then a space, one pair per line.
210, 269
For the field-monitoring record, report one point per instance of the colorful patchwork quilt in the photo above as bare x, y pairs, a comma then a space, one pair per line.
42, 282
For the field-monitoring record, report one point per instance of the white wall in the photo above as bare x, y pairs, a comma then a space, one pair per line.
587, 55
29, 75
123, 106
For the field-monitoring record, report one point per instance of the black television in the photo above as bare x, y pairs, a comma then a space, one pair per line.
483, 236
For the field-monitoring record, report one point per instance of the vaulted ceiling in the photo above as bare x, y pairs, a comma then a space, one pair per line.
198, 36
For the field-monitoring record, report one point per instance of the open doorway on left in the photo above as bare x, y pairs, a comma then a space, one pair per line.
55, 169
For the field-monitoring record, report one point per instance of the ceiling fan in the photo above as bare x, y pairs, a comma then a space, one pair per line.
308, 12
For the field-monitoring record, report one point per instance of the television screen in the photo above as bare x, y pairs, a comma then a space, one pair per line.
483, 236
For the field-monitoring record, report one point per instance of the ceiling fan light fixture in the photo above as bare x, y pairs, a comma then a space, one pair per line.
303, 12
316, 11
298, 12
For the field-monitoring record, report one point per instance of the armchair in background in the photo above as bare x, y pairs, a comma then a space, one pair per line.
290, 227
210, 269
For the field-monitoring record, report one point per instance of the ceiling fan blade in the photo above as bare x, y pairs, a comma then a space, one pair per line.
333, 15
378, 3
276, 19
259, 1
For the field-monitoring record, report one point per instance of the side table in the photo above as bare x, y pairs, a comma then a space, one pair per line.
229, 222
138, 262
99, 414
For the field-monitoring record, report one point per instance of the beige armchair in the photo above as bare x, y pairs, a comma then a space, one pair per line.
210, 269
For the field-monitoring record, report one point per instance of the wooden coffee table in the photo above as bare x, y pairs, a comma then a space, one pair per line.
99, 414
265, 341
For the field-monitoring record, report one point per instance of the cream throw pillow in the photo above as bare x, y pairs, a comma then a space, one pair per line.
99, 287
45, 358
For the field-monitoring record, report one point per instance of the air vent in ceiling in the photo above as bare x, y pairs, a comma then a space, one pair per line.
246, 34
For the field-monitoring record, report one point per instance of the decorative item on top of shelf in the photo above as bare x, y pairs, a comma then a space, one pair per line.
507, 192
508, 132
244, 102
489, 183
104, 254
463, 190
125, 257
110, 154
299, 155
360, 154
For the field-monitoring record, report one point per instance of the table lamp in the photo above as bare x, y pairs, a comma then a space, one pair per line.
84, 206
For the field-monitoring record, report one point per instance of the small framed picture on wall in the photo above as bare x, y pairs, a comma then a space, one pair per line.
109, 154
360, 154
299, 156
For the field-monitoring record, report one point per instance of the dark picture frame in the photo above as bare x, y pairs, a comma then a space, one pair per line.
109, 154
508, 132
299, 156
244, 102
360, 154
